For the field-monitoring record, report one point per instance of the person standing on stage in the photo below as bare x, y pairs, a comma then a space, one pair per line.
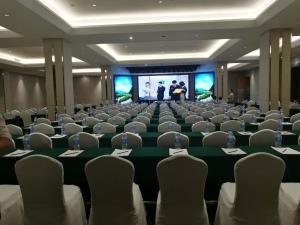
173, 95
160, 91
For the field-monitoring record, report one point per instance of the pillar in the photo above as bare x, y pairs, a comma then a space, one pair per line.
2, 93
59, 78
221, 76
275, 70
106, 85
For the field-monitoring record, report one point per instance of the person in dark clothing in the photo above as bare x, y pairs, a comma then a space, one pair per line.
173, 95
160, 91
183, 87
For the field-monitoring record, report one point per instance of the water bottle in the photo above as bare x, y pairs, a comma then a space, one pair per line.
98, 129
60, 121
170, 126
76, 142
62, 130
230, 140
206, 126
35, 120
133, 128
31, 128
253, 118
177, 141
278, 139
280, 125
26, 142
243, 125
124, 141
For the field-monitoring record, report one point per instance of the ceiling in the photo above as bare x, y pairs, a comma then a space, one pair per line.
131, 32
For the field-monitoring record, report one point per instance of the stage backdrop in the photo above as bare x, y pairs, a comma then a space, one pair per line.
123, 89
148, 85
204, 85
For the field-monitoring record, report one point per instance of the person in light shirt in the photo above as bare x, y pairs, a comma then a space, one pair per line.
5, 137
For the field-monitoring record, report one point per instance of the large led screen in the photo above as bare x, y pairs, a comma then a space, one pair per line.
204, 85
123, 89
157, 87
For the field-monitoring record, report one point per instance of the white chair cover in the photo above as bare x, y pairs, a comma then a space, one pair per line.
135, 127
200, 126
296, 125
91, 121
273, 116
295, 118
218, 119
166, 119
114, 201
86, 141
168, 126
253, 199
248, 118
134, 141
102, 116
264, 137
72, 128
269, 124
66, 120
44, 129
192, 119
208, 114
142, 119
105, 128
181, 197
216, 139
231, 125
43, 120
39, 140
46, 200
167, 140
116, 120
14, 130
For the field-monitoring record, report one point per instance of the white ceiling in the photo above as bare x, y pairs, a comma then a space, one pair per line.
163, 38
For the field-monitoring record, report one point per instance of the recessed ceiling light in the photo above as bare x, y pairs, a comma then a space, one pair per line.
94, 5
196, 35
163, 36
160, 2
6, 15
130, 38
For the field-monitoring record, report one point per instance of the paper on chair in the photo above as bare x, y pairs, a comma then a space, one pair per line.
286, 123
98, 135
178, 151
18, 153
71, 153
286, 151
233, 151
247, 133
59, 136
121, 152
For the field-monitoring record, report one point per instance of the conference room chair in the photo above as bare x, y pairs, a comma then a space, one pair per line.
46, 199
63, 115
72, 128
235, 108
216, 139
265, 137
253, 112
133, 112
253, 198
218, 119
104, 128
39, 140
115, 198
124, 115
218, 110
231, 125
199, 111
167, 118
16, 113
142, 119
114, 112
86, 141
201, 126
248, 118
14, 130
289, 203
251, 103
44, 129
91, 121
80, 116
181, 111
192, 119
135, 127
272, 111
66, 120
133, 141
273, 116
295, 118
232, 114
146, 114
269, 124
168, 126
26, 117
296, 125
11, 205
79, 106
251, 108
208, 114
102, 116
180, 200
43, 120
116, 120
167, 140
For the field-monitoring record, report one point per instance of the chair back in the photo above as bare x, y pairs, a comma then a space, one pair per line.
135, 127
168, 126
269, 124
231, 125
14, 130
44, 129
167, 140
39, 140
200, 126
134, 141
295, 118
104, 128
265, 137
142, 119
192, 119
86, 141
72, 128
216, 139
116, 120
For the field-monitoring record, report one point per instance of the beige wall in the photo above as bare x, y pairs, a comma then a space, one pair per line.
87, 89
2, 94
24, 91
238, 81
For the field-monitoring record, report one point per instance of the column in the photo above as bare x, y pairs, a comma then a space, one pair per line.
103, 88
59, 78
2, 93
275, 70
286, 71
221, 76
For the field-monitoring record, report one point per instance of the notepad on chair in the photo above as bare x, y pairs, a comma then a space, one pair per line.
59, 136
286, 151
71, 153
98, 135
179, 151
18, 153
247, 133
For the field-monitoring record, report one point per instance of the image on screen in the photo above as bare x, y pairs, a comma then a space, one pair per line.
123, 89
157, 87
204, 85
